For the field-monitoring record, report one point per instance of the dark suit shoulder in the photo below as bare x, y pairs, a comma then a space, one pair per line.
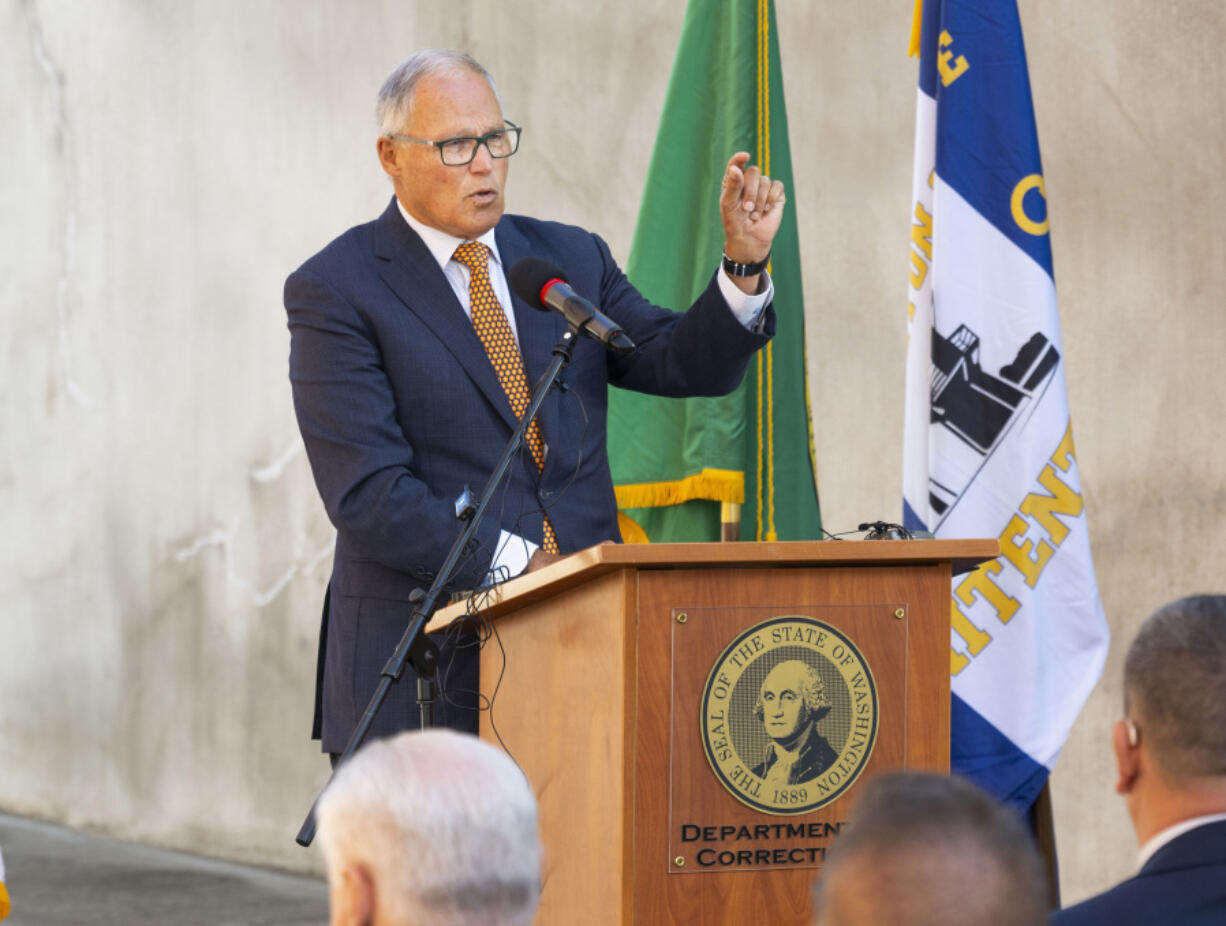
556, 241
1116, 905
568, 246
351, 246
544, 229
1198, 847
1190, 896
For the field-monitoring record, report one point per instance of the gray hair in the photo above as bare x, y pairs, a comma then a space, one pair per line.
446, 826
915, 841
1175, 687
812, 690
396, 95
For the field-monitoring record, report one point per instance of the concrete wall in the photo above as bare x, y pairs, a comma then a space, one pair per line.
166, 164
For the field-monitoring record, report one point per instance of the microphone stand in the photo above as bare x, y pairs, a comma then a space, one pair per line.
414, 646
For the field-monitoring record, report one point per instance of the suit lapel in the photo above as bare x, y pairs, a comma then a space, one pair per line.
408, 268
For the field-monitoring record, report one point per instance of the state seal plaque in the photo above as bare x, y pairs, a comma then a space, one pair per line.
789, 715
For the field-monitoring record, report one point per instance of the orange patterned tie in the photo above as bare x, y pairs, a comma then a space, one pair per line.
490, 322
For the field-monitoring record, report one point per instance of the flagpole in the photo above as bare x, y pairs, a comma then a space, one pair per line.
729, 522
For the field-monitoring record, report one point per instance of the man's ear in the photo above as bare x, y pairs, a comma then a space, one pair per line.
353, 897
1126, 740
387, 155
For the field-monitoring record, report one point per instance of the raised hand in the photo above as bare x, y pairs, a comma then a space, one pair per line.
751, 206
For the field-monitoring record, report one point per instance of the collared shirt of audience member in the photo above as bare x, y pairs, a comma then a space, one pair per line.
430, 828
1170, 754
922, 849
790, 703
401, 409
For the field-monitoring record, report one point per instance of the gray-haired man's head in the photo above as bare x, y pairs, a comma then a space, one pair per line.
431, 828
395, 98
445, 143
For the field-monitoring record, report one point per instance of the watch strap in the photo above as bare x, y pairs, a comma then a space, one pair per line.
737, 269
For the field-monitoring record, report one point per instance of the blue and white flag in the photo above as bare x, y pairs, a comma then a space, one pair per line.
988, 444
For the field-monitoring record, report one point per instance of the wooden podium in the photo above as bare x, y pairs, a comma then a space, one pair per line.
640, 688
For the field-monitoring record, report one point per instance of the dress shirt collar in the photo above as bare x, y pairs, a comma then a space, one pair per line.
1174, 832
442, 245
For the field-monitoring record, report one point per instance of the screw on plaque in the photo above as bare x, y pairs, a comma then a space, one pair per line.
679, 861
900, 613
682, 618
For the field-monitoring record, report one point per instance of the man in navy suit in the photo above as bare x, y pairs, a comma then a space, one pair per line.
401, 408
1170, 751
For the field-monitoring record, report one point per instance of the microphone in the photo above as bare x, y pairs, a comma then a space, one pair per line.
543, 286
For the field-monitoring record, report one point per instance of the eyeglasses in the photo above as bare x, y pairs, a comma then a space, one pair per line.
456, 152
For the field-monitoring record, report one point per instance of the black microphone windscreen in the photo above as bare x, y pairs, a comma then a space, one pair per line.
529, 276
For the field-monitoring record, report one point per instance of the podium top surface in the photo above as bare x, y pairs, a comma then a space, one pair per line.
962, 555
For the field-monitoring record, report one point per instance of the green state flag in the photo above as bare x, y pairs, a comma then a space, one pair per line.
675, 460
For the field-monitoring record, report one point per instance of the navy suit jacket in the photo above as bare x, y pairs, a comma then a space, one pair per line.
1183, 884
400, 409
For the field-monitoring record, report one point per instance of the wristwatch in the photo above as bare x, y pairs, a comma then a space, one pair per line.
737, 269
